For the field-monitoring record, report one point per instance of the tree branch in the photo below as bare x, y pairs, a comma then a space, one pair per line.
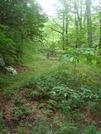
56, 30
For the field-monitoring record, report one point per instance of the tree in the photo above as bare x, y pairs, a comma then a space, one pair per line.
100, 24
25, 20
89, 22
63, 10
78, 22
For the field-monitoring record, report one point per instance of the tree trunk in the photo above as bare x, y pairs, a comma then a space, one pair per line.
89, 23
76, 24
77, 38
67, 29
80, 20
100, 24
100, 36
63, 32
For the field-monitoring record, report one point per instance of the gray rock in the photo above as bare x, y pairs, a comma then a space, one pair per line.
11, 70
2, 63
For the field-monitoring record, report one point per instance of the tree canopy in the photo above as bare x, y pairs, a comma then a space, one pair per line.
20, 21
78, 23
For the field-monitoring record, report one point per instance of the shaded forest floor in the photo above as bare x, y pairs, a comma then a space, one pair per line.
51, 96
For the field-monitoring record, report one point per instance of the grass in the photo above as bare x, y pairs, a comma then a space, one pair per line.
45, 87
34, 67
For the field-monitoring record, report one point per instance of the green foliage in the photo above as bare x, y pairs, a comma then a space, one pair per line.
1, 122
3, 80
64, 107
41, 127
21, 110
36, 93
87, 55
58, 86
66, 128
60, 92
28, 90
41, 105
91, 129
20, 107
3, 129
52, 104
7, 45
94, 108
20, 23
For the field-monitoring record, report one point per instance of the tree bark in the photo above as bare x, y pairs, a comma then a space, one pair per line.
100, 24
100, 36
56, 30
63, 32
89, 23
80, 20
67, 29
78, 23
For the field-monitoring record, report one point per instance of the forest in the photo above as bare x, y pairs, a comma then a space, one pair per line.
50, 67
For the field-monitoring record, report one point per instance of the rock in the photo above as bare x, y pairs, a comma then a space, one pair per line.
11, 70
2, 63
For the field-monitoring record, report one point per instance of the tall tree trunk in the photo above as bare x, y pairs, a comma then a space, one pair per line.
67, 29
100, 24
100, 36
89, 23
76, 24
80, 20
77, 28
63, 32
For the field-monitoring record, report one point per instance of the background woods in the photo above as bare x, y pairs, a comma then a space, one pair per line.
20, 22
78, 23
50, 67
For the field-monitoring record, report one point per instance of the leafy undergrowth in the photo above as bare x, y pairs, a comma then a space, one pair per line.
62, 101
25, 73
